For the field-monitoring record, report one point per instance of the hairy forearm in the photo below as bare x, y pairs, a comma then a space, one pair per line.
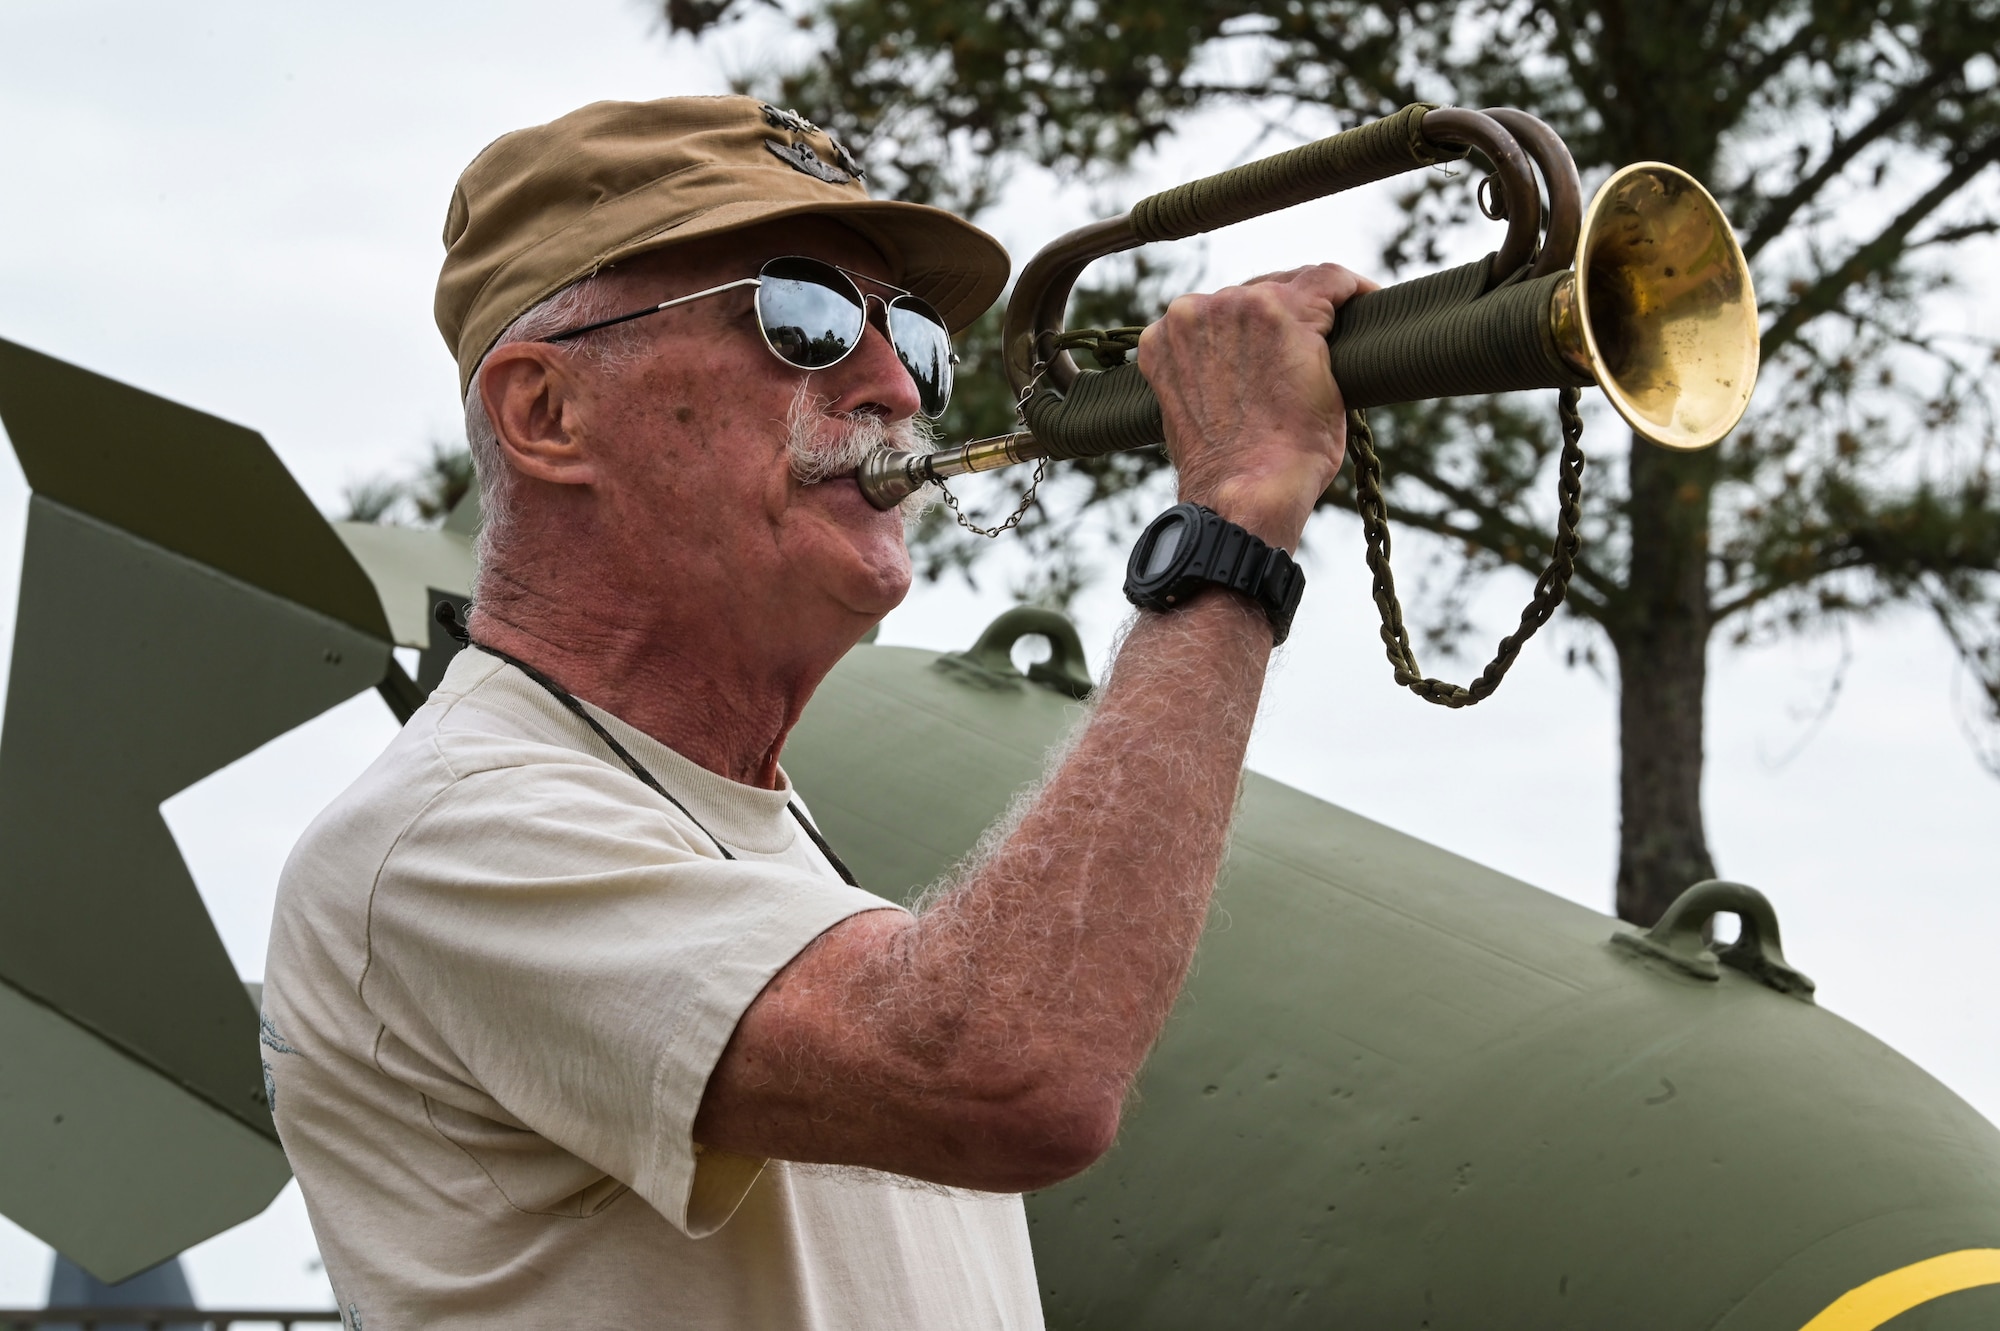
1067, 943
991, 1040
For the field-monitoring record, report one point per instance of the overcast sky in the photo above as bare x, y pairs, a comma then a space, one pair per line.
238, 206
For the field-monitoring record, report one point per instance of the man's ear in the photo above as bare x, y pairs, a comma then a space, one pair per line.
533, 398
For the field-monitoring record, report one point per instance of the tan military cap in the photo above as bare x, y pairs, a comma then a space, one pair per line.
542, 207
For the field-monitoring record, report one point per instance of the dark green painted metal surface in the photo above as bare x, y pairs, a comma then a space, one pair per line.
179, 478
182, 603
136, 673
1405, 1091
103, 1158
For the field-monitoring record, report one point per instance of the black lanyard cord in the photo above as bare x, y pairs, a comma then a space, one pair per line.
569, 700
832, 856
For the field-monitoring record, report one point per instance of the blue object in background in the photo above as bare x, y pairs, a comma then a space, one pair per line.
162, 1286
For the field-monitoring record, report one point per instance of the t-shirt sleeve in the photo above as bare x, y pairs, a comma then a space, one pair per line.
584, 958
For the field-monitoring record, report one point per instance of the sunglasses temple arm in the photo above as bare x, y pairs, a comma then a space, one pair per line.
569, 333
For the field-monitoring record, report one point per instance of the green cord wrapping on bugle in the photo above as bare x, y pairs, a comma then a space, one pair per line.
1447, 336
1375, 151
1439, 336
1105, 411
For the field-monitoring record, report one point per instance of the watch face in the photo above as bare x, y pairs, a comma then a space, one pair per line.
1166, 544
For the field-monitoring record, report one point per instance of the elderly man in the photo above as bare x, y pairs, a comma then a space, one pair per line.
573, 1017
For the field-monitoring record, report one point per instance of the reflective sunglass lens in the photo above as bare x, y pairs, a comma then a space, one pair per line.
924, 346
811, 313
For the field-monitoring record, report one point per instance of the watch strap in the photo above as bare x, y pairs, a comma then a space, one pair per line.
1220, 554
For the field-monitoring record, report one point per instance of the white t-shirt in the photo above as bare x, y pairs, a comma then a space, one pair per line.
500, 974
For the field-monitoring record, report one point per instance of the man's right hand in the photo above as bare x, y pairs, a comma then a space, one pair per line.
1255, 423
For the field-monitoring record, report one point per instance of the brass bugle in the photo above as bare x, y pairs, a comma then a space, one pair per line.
1645, 294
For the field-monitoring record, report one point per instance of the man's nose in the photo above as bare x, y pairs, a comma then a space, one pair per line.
874, 376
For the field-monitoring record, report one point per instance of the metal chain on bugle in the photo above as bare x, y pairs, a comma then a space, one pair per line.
1550, 588
1013, 519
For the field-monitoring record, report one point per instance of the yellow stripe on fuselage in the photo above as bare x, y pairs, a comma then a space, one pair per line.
1866, 1307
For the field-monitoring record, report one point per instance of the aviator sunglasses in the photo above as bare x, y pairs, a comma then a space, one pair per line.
813, 315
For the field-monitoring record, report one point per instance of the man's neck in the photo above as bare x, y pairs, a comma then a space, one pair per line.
716, 708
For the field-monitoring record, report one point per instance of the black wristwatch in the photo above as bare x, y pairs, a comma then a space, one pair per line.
1189, 548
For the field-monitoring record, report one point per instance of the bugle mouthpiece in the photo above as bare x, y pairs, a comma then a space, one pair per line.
888, 476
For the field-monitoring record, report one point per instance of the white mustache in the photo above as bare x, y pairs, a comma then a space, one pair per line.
824, 445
